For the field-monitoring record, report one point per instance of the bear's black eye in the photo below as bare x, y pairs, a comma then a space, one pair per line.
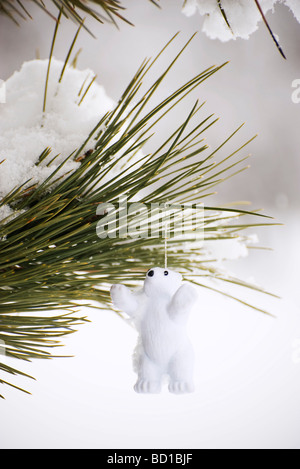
150, 273
166, 272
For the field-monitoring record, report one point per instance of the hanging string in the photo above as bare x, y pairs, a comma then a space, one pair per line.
166, 252
166, 243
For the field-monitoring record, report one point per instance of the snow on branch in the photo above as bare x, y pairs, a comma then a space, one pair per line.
231, 19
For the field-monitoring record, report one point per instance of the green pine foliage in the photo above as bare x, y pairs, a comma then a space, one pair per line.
101, 10
51, 259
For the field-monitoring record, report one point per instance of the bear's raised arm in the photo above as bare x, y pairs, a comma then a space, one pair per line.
123, 299
182, 302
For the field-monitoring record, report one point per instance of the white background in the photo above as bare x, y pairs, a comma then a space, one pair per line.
248, 364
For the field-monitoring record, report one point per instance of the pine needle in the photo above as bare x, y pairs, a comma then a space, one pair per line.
269, 29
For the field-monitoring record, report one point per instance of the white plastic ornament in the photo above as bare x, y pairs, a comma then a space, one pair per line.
160, 313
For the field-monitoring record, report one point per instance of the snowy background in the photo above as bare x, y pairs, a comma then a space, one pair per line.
248, 365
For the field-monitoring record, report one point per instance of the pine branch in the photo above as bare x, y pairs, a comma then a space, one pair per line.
106, 10
51, 258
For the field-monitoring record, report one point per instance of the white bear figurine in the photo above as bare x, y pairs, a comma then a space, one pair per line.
160, 312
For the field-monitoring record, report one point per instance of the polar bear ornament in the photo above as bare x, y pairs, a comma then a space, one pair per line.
160, 312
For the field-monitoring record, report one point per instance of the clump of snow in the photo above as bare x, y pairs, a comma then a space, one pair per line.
190, 7
216, 251
226, 249
294, 5
7, 215
25, 132
230, 248
5, 212
243, 16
